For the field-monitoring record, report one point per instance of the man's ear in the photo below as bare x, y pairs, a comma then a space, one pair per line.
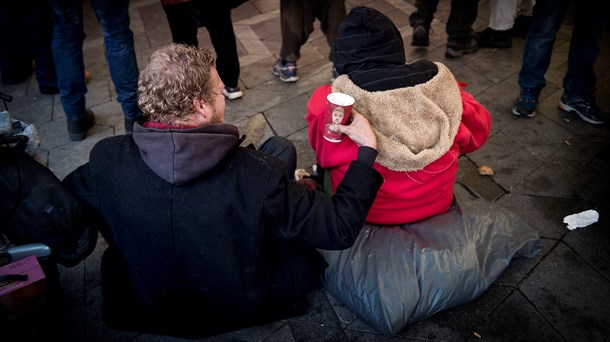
201, 110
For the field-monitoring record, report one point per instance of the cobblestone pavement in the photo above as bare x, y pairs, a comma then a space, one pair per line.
546, 168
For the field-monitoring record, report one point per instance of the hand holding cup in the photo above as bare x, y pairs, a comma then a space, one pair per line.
359, 130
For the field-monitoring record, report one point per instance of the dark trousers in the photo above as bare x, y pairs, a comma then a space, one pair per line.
184, 20
283, 149
462, 16
590, 18
26, 31
297, 19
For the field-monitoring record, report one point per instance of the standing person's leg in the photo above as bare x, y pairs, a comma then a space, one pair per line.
526, 8
68, 36
523, 21
548, 16
502, 14
183, 22
220, 26
296, 19
501, 18
331, 14
40, 24
113, 15
296, 24
579, 82
459, 28
15, 57
420, 21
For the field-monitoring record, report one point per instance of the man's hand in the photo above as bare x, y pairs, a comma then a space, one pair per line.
359, 130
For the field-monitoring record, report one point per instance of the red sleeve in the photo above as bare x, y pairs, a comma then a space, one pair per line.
316, 109
475, 126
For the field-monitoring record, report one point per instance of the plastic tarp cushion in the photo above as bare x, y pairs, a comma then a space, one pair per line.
397, 275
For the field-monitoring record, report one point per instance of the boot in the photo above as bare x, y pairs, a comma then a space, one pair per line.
77, 130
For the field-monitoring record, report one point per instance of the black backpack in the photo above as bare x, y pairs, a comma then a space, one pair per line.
35, 207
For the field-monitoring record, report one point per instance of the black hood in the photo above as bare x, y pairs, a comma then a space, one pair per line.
370, 50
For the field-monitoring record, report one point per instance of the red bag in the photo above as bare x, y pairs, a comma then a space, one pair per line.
22, 287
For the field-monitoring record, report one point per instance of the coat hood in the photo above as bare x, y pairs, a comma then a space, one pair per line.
181, 155
414, 125
370, 50
366, 39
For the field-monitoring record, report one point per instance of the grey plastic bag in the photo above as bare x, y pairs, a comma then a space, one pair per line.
394, 276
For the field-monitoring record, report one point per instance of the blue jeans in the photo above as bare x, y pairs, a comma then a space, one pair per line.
68, 36
283, 149
589, 21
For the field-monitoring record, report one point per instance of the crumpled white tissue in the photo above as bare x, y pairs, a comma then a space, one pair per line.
582, 219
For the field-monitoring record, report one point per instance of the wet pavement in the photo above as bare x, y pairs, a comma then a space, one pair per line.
546, 168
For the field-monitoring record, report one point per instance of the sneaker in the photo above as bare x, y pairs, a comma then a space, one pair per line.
491, 38
335, 75
525, 104
287, 71
584, 107
77, 130
457, 47
129, 124
420, 35
232, 93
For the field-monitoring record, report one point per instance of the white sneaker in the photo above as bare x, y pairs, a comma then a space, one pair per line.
232, 93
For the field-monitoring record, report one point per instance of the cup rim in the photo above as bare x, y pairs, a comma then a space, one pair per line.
340, 99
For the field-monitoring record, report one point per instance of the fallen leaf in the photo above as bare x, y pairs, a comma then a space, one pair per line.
486, 171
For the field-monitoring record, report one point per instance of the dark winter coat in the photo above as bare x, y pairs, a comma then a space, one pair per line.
199, 224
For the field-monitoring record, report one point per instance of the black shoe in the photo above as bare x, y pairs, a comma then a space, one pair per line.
421, 35
52, 90
77, 130
129, 124
491, 38
458, 47
521, 26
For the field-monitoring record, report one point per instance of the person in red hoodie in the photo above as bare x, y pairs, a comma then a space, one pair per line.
422, 117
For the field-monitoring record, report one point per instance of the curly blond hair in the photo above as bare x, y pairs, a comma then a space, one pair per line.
175, 75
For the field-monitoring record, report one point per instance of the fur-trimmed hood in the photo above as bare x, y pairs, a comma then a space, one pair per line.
414, 125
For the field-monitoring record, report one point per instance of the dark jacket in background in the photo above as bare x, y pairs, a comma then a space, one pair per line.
208, 235
36, 208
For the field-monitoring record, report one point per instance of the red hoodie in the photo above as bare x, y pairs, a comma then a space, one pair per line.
405, 196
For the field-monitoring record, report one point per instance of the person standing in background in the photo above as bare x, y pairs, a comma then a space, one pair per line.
504, 15
297, 18
25, 35
186, 16
68, 37
590, 18
458, 28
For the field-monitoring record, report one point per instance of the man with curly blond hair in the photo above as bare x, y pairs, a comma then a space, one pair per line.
205, 235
